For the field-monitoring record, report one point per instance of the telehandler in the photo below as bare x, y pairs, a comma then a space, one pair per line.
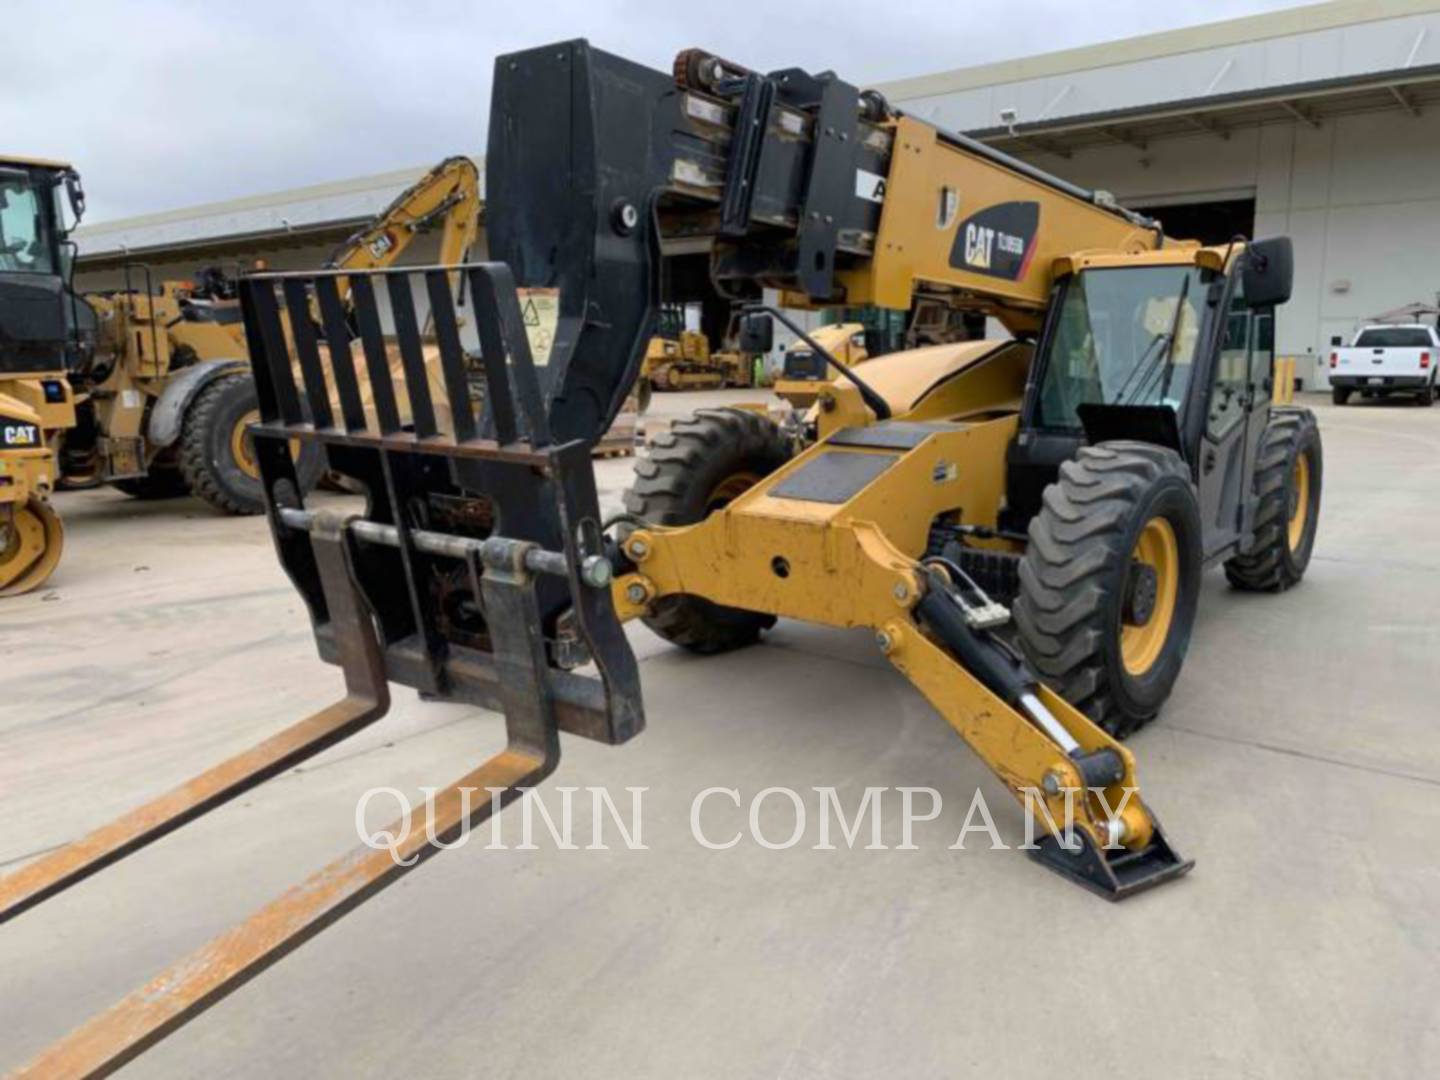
1090, 467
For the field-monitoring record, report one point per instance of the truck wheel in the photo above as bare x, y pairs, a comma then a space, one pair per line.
1288, 476
699, 465
1340, 394
159, 483
1110, 581
217, 454
1426, 397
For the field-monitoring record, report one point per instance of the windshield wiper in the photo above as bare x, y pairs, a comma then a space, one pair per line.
1145, 367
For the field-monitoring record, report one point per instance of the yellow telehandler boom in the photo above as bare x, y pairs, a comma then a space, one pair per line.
1010, 519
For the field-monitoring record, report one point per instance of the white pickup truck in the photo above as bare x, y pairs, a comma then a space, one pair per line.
1385, 359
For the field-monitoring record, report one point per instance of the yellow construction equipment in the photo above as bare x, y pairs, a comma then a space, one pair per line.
1022, 524
151, 390
805, 371
686, 362
36, 403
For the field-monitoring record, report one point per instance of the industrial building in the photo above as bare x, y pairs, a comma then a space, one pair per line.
1319, 122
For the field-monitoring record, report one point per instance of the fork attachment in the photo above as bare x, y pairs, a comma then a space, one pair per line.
476, 573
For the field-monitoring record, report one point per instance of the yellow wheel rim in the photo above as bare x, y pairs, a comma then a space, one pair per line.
1142, 643
242, 445
1300, 508
732, 487
32, 548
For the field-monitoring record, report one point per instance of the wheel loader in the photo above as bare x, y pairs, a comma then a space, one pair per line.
165, 398
36, 402
1021, 524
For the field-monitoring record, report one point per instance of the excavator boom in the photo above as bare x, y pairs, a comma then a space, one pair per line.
447, 197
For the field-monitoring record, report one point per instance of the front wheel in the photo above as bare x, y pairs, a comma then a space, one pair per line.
217, 452
702, 463
1288, 474
31, 540
1110, 581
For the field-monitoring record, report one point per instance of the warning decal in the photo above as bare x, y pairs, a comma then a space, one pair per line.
540, 311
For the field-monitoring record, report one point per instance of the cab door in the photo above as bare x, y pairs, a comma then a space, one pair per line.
1231, 433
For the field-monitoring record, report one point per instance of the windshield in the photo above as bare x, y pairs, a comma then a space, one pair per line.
1394, 337
1117, 340
24, 225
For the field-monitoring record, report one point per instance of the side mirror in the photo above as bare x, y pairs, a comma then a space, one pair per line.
757, 333
1269, 272
76, 194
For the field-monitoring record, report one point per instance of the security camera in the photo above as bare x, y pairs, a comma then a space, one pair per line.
1007, 117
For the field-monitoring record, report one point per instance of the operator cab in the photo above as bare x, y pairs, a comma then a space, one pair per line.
34, 263
1175, 347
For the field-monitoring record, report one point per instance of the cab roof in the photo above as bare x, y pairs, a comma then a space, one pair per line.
1174, 253
33, 163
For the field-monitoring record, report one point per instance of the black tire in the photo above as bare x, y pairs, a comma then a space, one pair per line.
159, 483
1426, 397
1078, 580
207, 459
682, 480
1339, 395
1273, 563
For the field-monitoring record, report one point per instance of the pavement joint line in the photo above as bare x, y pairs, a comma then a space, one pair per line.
193, 669
298, 769
63, 616
1275, 748
26, 856
1389, 564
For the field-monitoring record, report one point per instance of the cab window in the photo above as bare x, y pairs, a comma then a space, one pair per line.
1232, 370
24, 231
1121, 336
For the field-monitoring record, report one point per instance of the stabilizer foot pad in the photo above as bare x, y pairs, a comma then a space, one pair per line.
1117, 874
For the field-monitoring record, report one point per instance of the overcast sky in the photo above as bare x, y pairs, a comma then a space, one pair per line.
169, 104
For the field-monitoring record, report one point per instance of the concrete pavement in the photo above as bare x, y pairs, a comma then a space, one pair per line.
1298, 762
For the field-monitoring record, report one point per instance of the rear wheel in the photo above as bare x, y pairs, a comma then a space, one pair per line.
694, 469
1110, 581
217, 452
1288, 476
1340, 394
1426, 397
31, 539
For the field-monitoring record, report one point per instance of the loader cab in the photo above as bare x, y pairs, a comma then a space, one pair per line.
34, 263
1174, 347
